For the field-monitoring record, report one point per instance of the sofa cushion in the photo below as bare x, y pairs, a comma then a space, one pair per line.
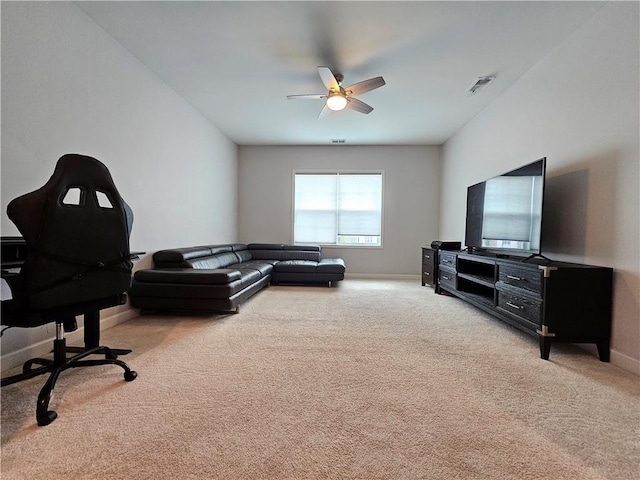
249, 276
238, 247
273, 254
264, 267
188, 276
221, 260
298, 266
243, 256
216, 249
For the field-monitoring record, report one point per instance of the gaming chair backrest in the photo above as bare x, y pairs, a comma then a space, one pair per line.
77, 229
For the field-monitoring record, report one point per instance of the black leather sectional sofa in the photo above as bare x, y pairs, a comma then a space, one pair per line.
220, 277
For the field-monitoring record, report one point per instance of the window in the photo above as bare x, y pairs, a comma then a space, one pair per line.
338, 208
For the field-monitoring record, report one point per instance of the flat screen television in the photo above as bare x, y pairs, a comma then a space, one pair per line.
504, 213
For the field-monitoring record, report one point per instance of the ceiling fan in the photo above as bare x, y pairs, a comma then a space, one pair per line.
339, 97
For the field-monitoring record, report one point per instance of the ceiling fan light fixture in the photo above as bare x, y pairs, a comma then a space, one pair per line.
336, 102
339, 98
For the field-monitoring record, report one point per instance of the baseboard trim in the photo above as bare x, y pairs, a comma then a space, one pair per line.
43, 347
616, 358
625, 362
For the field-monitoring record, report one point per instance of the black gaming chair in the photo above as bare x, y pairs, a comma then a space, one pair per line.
77, 229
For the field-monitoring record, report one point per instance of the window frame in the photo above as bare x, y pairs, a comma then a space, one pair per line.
338, 172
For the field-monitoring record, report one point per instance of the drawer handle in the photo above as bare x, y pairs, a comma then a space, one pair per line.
512, 277
445, 260
427, 273
427, 256
513, 305
444, 277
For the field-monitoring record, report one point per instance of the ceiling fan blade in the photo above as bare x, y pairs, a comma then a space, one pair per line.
310, 96
365, 86
358, 106
329, 79
324, 112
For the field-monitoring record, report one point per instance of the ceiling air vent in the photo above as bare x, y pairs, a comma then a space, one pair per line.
480, 83
338, 140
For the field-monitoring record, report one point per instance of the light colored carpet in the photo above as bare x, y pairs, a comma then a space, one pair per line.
370, 380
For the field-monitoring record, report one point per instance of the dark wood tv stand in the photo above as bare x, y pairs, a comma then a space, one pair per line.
555, 301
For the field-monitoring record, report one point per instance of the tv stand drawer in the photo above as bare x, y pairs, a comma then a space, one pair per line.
521, 306
447, 278
526, 278
448, 259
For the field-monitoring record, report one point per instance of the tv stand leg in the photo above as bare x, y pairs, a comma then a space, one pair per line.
604, 350
545, 347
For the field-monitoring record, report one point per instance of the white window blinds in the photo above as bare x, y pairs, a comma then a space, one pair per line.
338, 208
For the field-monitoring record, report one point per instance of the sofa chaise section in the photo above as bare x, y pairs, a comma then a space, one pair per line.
301, 264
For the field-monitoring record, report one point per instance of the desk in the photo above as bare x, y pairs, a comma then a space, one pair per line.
14, 251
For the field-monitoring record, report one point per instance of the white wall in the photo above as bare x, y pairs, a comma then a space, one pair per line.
411, 199
579, 107
68, 87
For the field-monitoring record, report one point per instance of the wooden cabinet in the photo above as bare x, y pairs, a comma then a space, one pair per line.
429, 266
556, 302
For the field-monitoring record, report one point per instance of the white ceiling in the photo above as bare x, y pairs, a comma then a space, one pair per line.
237, 61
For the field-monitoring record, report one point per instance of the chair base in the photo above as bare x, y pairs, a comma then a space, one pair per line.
59, 364
108, 352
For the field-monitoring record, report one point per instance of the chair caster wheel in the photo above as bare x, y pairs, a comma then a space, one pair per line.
111, 356
130, 376
47, 418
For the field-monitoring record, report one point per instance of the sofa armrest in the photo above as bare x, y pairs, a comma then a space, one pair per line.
218, 276
177, 255
331, 265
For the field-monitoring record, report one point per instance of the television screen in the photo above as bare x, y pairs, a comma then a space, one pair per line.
504, 213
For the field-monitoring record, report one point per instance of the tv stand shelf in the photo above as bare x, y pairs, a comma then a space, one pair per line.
486, 281
554, 301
